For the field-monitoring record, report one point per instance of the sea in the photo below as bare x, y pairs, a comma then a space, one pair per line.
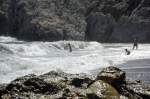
19, 58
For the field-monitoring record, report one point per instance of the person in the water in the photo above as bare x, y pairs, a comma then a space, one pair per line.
127, 52
135, 44
70, 48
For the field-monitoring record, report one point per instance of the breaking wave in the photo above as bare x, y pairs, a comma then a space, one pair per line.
21, 58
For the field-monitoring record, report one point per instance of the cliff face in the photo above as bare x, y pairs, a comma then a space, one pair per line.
3, 17
100, 20
120, 21
47, 19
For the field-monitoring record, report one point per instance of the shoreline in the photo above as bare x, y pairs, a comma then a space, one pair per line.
137, 69
133, 72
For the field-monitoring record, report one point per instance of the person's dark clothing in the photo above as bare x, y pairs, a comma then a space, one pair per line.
127, 52
70, 49
135, 44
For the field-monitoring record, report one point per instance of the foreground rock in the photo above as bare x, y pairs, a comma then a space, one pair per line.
100, 89
112, 75
109, 84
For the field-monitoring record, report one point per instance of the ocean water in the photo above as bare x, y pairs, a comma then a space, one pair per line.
19, 58
136, 65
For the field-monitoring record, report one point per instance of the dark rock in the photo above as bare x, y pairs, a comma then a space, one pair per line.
100, 27
3, 17
38, 85
50, 85
80, 82
2, 88
63, 79
72, 92
139, 88
98, 20
129, 28
118, 28
17, 85
59, 85
49, 20
112, 75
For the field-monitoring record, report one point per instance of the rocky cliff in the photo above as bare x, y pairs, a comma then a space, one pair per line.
98, 20
3, 17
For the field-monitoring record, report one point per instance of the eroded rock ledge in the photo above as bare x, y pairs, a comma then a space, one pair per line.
110, 83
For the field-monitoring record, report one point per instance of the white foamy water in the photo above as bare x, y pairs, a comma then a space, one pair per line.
116, 55
18, 58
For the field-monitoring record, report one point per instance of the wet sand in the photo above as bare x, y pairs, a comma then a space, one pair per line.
137, 69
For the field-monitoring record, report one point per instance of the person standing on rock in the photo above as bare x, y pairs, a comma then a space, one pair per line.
135, 44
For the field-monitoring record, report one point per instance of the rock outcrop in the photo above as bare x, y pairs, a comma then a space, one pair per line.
59, 85
98, 20
47, 19
102, 90
3, 17
112, 75
131, 20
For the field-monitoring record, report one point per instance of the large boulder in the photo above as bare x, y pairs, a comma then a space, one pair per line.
102, 90
112, 75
